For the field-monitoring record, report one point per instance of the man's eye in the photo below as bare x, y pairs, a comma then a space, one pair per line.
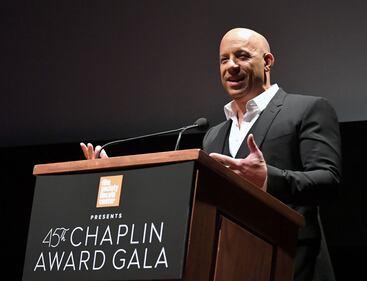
223, 60
243, 57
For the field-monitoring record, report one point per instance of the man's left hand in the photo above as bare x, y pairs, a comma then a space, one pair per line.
253, 167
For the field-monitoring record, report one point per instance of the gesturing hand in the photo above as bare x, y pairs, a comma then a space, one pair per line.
252, 168
90, 153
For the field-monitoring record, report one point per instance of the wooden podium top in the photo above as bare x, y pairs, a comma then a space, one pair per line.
128, 161
148, 159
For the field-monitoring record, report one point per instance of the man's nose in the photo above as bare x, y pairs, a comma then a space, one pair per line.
233, 67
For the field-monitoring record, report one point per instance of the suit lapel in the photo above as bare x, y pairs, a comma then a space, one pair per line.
263, 123
218, 144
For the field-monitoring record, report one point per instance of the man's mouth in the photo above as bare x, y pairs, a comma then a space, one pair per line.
235, 81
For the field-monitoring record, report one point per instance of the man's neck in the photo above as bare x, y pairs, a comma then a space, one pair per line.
239, 105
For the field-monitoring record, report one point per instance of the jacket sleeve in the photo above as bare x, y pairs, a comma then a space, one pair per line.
319, 148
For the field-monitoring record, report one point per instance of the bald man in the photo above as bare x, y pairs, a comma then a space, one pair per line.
287, 144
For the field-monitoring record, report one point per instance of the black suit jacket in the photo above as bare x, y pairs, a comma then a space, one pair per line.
300, 140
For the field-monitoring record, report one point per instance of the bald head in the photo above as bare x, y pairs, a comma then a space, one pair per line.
255, 39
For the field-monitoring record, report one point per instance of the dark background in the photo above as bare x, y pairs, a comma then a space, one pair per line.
92, 70
74, 71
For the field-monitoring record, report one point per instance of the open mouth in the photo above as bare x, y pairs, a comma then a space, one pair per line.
235, 82
235, 79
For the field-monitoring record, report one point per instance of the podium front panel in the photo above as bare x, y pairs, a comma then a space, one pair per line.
118, 225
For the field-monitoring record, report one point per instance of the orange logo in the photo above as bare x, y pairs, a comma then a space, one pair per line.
109, 191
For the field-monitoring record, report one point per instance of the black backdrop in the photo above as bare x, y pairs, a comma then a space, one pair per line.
98, 71
86, 70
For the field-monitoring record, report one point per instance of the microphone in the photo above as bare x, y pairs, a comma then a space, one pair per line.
201, 124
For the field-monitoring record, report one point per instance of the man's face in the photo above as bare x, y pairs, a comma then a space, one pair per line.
242, 66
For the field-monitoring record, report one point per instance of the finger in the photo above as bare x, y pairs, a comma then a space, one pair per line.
97, 149
103, 154
252, 144
224, 159
254, 150
90, 151
84, 149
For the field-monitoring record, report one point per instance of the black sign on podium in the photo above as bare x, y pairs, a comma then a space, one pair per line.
128, 224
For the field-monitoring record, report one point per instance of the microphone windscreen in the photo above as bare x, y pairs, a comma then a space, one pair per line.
202, 123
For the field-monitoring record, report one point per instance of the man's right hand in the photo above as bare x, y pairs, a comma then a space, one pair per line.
90, 152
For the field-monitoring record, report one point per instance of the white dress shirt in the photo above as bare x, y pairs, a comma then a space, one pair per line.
253, 109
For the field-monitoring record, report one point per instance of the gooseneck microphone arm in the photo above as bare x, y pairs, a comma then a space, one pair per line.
201, 123
180, 134
135, 138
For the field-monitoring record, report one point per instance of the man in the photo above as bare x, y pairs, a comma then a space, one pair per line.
292, 150
296, 156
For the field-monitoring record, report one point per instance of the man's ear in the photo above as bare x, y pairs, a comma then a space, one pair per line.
268, 61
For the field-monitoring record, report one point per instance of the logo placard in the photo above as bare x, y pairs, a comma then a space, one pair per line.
109, 191
143, 236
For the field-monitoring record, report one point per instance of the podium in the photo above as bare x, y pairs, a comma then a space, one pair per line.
177, 215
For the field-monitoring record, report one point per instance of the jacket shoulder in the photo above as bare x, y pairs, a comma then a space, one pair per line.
214, 134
